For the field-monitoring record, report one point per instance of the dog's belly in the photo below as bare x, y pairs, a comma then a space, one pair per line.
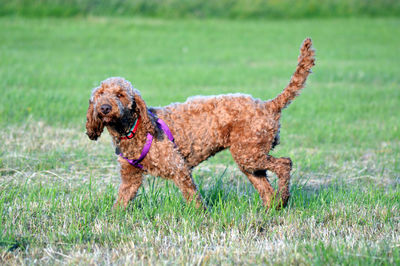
199, 155
196, 144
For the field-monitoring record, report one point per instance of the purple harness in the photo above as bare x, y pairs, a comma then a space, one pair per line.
148, 143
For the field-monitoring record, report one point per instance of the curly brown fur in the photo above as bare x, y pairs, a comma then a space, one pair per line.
202, 126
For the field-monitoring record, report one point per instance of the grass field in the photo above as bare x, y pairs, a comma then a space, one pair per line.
57, 188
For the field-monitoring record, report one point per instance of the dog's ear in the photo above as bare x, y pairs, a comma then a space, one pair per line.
143, 112
94, 126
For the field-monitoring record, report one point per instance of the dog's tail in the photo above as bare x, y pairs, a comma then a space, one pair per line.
306, 62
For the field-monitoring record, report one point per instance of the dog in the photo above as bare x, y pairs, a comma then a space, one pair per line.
170, 141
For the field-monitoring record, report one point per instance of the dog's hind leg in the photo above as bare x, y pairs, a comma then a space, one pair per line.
254, 167
281, 167
261, 184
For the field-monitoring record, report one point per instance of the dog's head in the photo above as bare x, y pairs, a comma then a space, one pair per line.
114, 102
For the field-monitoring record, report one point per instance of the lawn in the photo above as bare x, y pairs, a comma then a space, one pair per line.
342, 133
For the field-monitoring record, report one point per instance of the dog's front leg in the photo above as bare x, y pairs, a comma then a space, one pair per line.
186, 184
131, 179
166, 161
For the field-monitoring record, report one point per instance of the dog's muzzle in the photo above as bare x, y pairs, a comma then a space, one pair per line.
105, 108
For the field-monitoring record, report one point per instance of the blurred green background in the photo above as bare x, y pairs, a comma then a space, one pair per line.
202, 9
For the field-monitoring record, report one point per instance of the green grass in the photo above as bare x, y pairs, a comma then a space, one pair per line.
57, 187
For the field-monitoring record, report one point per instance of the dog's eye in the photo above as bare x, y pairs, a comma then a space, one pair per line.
119, 95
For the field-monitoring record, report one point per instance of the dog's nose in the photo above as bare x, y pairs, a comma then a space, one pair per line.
105, 108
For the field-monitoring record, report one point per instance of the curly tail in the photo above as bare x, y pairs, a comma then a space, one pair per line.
306, 62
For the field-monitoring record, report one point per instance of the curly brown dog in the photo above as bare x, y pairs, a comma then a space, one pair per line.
201, 127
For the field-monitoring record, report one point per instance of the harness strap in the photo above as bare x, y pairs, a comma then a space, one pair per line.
149, 141
166, 130
145, 150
